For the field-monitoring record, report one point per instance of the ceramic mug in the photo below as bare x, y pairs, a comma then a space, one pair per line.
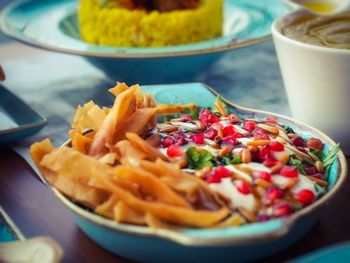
317, 82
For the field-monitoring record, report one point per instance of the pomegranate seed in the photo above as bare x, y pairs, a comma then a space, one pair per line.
310, 170
205, 112
305, 196
212, 179
260, 134
277, 146
270, 120
217, 126
301, 149
198, 138
181, 141
204, 119
174, 151
282, 210
178, 135
264, 152
265, 176
167, 141
298, 141
272, 194
317, 175
269, 162
228, 130
210, 134
289, 171
237, 135
249, 125
213, 118
233, 118
187, 117
222, 172
262, 218
231, 140
243, 187
315, 144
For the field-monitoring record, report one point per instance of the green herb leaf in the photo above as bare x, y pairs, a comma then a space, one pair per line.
169, 117
219, 100
234, 160
297, 163
198, 158
318, 153
194, 114
288, 129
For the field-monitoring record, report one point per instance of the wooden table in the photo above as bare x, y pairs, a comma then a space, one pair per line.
36, 211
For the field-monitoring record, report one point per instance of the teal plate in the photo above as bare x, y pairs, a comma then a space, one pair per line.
336, 253
248, 242
52, 24
17, 119
8, 230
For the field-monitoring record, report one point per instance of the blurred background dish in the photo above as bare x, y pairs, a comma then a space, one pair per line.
53, 25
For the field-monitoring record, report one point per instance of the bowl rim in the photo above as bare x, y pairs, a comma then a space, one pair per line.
277, 35
231, 45
183, 239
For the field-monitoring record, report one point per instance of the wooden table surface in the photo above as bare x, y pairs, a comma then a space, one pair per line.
35, 210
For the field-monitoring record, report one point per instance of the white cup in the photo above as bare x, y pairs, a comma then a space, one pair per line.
317, 82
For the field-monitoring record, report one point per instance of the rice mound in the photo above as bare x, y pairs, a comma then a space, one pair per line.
113, 25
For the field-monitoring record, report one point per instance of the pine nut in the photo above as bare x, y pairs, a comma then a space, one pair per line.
262, 183
258, 142
320, 182
154, 140
200, 125
247, 214
169, 129
246, 156
221, 109
319, 166
269, 128
276, 168
226, 150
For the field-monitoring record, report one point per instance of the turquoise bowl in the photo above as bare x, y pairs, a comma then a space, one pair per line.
52, 25
244, 243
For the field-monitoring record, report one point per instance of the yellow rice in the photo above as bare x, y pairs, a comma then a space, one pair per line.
115, 26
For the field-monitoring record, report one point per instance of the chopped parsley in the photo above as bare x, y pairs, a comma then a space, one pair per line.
318, 153
198, 158
288, 129
297, 163
233, 160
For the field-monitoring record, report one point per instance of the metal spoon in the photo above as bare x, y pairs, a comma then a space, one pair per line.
320, 7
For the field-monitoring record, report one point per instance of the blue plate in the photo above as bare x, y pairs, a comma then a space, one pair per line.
52, 24
248, 242
336, 253
17, 119
8, 230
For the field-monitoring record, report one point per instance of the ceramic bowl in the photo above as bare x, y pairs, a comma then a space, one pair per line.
316, 80
52, 24
209, 245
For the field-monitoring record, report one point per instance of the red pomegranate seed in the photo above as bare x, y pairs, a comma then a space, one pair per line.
249, 125
231, 140
210, 134
260, 134
237, 135
269, 162
198, 138
228, 130
265, 176
243, 187
315, 144
264, 152
167, 141
211, 178
181, 141
174, 151
298, 141
213, 118
310, 170
222, 172
288, 171
262, 218
305, 196
187, 117
205, 112
317, 175
272, 194
277, 146
271, 120
282, 210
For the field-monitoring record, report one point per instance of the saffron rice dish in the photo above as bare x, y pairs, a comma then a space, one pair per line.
149, 23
